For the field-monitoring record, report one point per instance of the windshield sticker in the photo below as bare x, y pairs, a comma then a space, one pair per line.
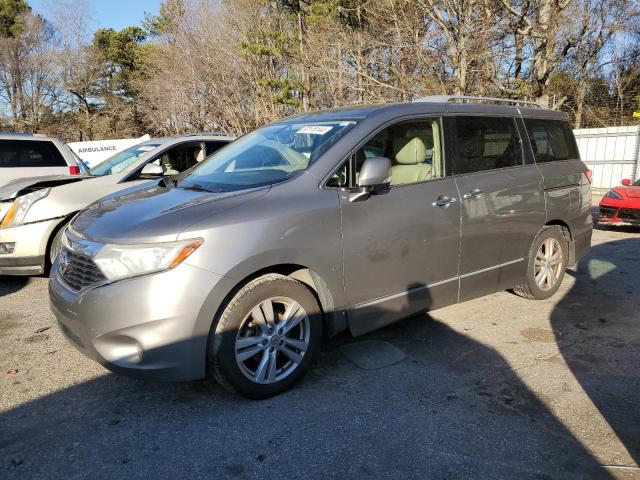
146, 148
314, 129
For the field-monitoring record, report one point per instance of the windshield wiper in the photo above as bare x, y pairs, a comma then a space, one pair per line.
196, 187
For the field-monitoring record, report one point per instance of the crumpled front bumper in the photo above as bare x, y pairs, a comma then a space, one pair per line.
30, 244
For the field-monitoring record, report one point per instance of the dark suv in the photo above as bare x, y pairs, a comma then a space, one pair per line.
344, 219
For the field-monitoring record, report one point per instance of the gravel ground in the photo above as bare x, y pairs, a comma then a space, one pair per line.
498, 387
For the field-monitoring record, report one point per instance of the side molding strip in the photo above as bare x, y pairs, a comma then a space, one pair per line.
488, 269
400, 294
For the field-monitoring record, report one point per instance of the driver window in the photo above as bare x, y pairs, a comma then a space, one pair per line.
414, 148
179, 159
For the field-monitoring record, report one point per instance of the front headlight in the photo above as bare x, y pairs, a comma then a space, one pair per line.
613, 194
121, 261
21, 205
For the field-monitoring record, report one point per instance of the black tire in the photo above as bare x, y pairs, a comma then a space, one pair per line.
56, 244
529, 288
221, 355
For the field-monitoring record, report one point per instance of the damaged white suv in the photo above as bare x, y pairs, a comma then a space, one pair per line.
33, 211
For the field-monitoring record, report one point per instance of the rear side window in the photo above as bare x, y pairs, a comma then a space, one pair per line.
551, 140
24, 153
486, 143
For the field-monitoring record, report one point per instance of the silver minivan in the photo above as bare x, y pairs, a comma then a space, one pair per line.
346, 219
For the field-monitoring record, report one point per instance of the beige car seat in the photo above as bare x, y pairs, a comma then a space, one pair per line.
410, 155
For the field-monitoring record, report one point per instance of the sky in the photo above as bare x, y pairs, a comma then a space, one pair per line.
116, 14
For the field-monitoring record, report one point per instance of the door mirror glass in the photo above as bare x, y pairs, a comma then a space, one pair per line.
375, 172
152, 170
626, 182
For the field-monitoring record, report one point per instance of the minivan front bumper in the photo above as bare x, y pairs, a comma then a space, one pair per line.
140, 327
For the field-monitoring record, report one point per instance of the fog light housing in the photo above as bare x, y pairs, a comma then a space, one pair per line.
6, 248
119, 349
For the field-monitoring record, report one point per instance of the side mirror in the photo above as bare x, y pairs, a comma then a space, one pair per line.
374, 174
627, 182
151, 170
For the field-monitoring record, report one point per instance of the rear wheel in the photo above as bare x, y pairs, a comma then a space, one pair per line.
266, 338
547, 263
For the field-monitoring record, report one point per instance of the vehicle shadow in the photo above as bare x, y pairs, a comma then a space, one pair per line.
454, 408
9, 285
602, 349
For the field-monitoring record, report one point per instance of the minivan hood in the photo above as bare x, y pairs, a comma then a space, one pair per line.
22, 186
153, 214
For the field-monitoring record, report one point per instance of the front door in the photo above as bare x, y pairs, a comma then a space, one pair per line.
401, 247
502, 204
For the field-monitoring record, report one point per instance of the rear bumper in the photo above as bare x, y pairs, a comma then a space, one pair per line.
29, 244
582, 245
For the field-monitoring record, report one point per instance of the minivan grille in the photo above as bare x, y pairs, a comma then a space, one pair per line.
78, 271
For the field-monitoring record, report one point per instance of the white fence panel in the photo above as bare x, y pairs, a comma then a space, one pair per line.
611, 153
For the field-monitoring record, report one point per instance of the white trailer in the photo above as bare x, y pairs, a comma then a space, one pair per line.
94, 152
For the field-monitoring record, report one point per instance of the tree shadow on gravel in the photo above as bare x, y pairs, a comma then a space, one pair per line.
597, 329
454, 408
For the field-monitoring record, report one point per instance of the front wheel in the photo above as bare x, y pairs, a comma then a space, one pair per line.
266, 338
56, 245
547, 263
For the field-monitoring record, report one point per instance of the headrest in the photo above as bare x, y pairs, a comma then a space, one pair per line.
409, 151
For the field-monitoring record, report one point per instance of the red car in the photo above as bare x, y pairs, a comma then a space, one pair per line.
621, 205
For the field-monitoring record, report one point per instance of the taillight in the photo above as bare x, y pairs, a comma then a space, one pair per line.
588, 173
74, 170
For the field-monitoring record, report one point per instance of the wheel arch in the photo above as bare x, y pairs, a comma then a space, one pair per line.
61, 224
333, 322
566, 232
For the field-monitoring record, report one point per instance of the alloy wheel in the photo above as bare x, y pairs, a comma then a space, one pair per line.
272, 340
549, 263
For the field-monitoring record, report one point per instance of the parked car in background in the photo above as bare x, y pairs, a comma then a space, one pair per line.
346, 219
31, 155
33, 211
621, 205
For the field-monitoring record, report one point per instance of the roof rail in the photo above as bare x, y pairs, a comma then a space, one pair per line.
465, 99
222, 134
23, 134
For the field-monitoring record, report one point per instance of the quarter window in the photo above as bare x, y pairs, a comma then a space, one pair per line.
486, 143
551, 140
24, 153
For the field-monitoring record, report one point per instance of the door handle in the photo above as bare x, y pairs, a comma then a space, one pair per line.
474, 193
443, 201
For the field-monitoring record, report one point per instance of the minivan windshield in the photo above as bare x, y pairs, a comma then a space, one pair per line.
121, 160
269, 155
